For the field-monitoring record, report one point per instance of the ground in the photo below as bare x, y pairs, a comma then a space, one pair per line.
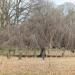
37, 66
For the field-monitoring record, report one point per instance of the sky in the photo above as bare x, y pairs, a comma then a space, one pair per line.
58, 2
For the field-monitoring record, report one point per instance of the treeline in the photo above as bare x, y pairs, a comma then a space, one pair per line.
36, 24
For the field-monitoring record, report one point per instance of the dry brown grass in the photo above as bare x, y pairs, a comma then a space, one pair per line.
36, 66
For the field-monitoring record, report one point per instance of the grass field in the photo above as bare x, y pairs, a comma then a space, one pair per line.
37, 66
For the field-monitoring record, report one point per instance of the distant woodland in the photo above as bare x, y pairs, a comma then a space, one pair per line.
36, 24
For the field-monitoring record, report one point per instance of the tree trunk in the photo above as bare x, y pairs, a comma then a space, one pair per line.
42, 53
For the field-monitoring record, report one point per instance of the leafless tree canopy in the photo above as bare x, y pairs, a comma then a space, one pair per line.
35, 24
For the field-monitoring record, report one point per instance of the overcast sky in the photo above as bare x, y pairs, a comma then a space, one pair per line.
58, 2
